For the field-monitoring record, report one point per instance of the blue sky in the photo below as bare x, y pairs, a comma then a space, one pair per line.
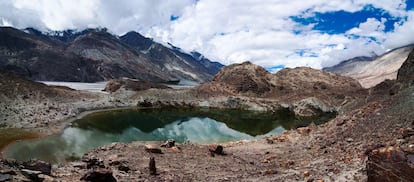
271, 33
337, 22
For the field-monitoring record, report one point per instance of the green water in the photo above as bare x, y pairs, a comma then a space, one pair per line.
195, 125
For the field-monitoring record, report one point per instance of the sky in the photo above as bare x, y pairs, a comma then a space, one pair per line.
271, 33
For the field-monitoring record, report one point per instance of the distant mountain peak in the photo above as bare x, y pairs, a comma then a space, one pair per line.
94, 55
370, 71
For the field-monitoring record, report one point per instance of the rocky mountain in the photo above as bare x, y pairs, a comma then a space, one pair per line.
250, 79
95, 55
372, 71
298, 88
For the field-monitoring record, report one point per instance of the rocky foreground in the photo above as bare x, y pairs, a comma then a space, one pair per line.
371, 139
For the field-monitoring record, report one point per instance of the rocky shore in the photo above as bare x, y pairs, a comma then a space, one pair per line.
371, 123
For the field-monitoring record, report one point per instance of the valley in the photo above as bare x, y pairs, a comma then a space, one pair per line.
373, 121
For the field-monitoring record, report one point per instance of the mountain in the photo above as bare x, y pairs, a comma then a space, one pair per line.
370, 71
306, 90
95, 55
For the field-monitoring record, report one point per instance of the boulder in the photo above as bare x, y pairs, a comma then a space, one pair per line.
131, 84
93, 162
152, 149
390, 164
99, 174
37, 165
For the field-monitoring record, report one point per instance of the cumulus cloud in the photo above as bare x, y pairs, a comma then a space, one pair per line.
232, 31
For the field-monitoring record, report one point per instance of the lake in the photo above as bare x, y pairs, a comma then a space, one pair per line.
127, 125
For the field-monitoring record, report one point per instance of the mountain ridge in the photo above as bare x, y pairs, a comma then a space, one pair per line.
95, 55
370, 71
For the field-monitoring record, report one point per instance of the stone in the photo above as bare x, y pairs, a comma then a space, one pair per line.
303, 130
152, 149
46, 178
169, 143
270, 171
349, 140
37, 165
389, 164
99, 174
152, 167
408, 133
340, 122
306, 173
31, 174
123, 167
94, 163
5, 177
216, 149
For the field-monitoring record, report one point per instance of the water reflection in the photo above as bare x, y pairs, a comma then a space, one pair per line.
102, 128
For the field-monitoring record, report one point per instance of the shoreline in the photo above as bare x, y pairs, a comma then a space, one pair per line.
54, 130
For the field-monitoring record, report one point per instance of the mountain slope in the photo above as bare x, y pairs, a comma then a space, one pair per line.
95, 55
371, 72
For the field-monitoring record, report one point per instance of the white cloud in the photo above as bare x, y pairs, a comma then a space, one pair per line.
228, 31
402, 35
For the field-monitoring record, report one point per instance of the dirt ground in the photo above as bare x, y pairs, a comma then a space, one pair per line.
334, 151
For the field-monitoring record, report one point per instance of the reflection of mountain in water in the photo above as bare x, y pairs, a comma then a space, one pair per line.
73, 142
199, 126
147, 120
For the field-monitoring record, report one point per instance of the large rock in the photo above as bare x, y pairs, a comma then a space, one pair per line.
406, 72
390, 164
131, 84
37, 165
98, 175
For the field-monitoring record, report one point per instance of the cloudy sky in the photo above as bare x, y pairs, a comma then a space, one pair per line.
271, 33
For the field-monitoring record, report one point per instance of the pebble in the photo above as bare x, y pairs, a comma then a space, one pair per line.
349, 140
5, 177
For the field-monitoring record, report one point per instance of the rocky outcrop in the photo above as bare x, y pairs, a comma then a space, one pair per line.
406, 72
405, 78
253, 80
304, 90
132, 85
390, 164
393, 163
95, 55
245, 78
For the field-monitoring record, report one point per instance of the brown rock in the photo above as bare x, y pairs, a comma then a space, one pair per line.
303, 130
270, 171
37, 165
93, 163
407, 133
169, 143
389, 164
98, 175
152, 167
340, 122
217, 149
131, 84
153, 149
306, 174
